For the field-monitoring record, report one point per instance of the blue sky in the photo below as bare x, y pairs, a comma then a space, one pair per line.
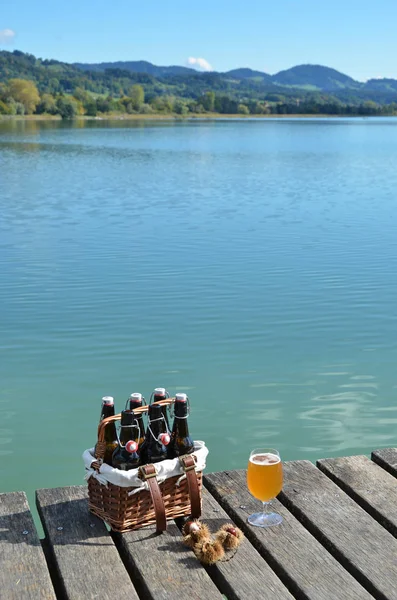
356, 37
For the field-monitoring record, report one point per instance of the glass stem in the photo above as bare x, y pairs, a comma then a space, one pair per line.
265, 507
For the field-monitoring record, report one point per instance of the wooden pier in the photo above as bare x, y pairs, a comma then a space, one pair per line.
337, 542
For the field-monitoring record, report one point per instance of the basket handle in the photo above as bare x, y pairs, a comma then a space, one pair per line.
148, 473
101, 444
188, 463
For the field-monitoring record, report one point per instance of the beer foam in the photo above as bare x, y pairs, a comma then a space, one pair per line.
265, 459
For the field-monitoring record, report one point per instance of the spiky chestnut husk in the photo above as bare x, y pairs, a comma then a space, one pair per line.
229, 536
209, 552
195, 533
190, 525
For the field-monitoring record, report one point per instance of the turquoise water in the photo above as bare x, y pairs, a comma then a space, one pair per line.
252, 264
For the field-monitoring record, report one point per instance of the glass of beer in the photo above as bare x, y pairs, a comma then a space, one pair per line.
265, 482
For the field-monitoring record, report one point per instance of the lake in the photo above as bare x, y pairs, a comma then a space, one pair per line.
249, 263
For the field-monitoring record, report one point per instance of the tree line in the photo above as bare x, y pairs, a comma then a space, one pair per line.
187, 91
22, 97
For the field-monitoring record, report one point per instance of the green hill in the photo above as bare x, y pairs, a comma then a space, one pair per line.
384, 85
136, 66
246, 73
316, 77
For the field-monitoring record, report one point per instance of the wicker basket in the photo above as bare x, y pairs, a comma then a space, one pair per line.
124, 512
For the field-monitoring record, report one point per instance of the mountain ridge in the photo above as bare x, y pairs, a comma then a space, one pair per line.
301, 83
294, 76
306, 76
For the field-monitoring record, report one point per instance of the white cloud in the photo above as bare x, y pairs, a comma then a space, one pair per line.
199, 63
7, 36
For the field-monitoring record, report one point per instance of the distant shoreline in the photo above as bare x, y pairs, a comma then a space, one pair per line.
173, 117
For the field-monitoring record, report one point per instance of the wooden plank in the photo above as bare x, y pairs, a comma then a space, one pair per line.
360, 544
300, 561
163, 567
245, 576
23, 568
87, 562
369, 485
387, 459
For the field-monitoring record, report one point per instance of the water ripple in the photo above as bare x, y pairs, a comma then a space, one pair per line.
250, 263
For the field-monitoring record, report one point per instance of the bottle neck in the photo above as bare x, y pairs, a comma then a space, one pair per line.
129, 428
181, 427
155, 428
135, 404
110, 429
127, 433
107, 411
180, 409
158, 398
139, 417
141, 426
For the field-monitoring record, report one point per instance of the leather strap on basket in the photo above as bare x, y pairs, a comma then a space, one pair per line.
148, 473
189, 465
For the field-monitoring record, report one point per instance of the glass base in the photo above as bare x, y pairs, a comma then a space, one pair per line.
265, 519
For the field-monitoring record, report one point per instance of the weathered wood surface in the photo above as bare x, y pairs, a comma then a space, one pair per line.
360, 544
369, 485
23, 568
163, 567
245, 574
337, 542
301, 562
87, 562
387, 459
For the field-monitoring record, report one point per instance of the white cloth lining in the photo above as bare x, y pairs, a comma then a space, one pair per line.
164, 470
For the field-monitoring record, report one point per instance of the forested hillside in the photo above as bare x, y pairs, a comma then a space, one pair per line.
32, 85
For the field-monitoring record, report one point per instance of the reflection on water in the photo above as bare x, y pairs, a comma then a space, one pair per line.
251, 264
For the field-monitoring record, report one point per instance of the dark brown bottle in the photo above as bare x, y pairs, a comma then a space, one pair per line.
162, 394
107, 410
126, 456
154, 448
135, 401
181, 443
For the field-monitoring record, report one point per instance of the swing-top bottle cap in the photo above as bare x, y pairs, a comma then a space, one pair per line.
131, 446
135, 400
180, 397
159, 392
108, 400
164, 438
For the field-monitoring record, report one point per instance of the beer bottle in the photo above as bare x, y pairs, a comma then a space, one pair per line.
162, 394
181, 443
154, 449
135, 401
107, 410
125, 456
